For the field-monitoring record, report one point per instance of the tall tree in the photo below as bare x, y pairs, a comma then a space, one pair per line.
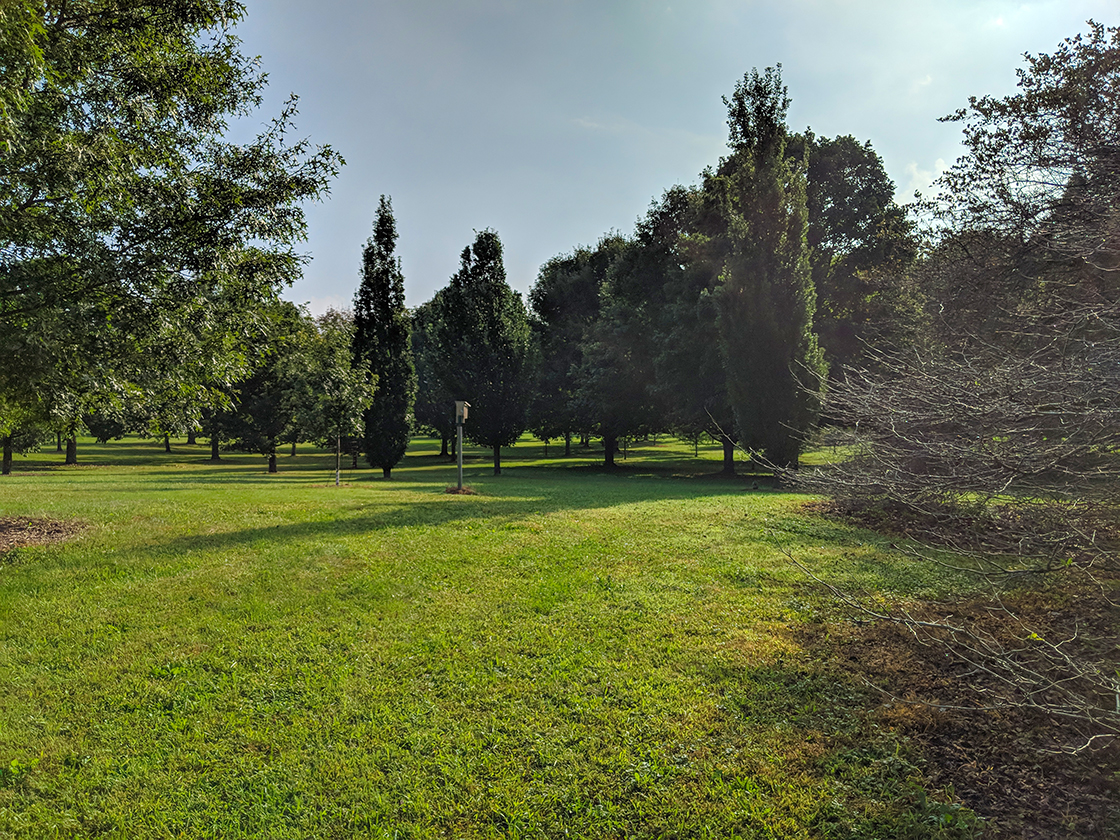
136, 240
774, 364
482, 331
860, 243
382, 330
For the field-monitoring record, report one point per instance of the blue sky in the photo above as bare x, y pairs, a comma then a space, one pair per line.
555, 121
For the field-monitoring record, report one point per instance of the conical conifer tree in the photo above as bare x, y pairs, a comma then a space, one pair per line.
773, 362
382, 343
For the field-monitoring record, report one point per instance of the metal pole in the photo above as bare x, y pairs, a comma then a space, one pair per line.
459, 447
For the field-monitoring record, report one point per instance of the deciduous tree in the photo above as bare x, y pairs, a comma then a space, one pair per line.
135, 241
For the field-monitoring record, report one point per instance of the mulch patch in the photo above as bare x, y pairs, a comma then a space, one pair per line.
1015, 767
1007, 765
16, 531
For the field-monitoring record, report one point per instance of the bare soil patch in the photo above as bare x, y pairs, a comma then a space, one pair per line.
16, 531
1018, 768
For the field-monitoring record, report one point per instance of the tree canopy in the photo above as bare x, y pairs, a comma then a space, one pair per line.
136, 243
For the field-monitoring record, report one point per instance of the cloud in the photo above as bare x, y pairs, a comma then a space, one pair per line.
921, 180
321, 303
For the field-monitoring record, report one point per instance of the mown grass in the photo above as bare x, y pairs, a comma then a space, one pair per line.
567, 653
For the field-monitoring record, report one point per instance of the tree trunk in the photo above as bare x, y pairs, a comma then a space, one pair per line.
167, 443
6, 469
192, 438
585, 440
546, 449
610, 444
72, 450
728, 456
387, 473
497, 460
567, 444
59, 444
272, 461
293, 449
214, 456
444, 452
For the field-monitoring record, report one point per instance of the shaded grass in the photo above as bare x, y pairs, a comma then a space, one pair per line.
569, 652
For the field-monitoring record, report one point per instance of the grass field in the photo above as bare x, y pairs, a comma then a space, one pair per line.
566, 653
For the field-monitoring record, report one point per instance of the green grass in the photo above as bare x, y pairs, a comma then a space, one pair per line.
567, 653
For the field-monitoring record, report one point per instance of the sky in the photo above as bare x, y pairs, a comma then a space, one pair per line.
554, 122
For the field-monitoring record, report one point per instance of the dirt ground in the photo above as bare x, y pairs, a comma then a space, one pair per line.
1027, 773
16, 531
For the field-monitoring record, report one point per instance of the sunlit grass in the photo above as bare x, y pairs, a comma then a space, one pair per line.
569, 652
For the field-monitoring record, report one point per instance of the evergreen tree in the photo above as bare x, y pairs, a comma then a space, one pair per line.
766, 300
382, 344
482, 333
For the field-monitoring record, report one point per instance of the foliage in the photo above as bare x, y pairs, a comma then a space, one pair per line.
482, 335
860, 243
137, 244
766, 298
327, 392
266, 412
565, 302
433, 408
382, 344
1004, 418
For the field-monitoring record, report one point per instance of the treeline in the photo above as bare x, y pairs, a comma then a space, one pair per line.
719, 316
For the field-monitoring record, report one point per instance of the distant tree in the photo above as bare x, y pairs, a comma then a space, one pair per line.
482, 332
22, 429
382, 345
565, 304
328, 391
433, 408
766, 299
265, 412
616, 392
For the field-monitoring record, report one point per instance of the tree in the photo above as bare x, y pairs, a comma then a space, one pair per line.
266, 410
382, 344
756, 200
997, 434
329, 391
135, 242
859, 241
482, 331
433, 408
565, 303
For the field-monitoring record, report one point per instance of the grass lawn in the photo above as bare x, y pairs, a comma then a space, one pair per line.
567, 653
